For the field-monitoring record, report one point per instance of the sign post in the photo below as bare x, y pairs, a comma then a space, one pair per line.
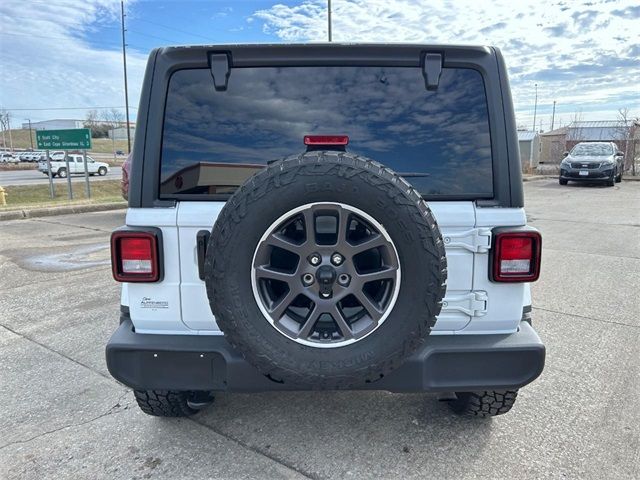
66, 162
52, 190
72, 139
87, 188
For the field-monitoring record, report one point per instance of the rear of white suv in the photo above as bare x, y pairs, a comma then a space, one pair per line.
440, 117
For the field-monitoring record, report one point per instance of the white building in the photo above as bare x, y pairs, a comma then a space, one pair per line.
120, 133
529, 143
55, 124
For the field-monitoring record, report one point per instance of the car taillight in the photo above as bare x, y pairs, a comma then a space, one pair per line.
135, 256
516, 256
321, 140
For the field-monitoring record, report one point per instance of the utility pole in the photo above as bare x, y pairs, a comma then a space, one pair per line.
553, 115
329, 18
126, 91
535, 108
30, 133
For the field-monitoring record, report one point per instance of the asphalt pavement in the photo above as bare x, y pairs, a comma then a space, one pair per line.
63, 416
34, 177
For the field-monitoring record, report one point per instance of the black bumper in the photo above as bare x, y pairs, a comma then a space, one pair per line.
445, 363
593, 175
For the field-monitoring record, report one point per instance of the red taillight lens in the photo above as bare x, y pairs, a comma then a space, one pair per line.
516, 256
318, 140
134, 256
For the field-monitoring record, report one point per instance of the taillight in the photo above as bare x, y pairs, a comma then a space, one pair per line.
516, 256
329, 140
135, 256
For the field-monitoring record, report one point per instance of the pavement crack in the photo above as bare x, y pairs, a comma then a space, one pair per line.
600, 320
257, 451
67, 357
93, 229
115, 409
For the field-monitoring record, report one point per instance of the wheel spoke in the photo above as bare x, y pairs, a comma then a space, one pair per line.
278, 240
309, 226
368, 305
340, 321
374, 241
343, 226
279, 308
387, 273
271, 274
309, 323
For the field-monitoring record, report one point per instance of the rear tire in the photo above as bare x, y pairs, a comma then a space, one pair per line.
563, 182
171, 403
292, 352
62, 173
484, 404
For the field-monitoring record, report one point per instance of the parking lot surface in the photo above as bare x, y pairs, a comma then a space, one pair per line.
63, 416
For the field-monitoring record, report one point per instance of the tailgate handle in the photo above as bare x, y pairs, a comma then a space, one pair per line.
202, 240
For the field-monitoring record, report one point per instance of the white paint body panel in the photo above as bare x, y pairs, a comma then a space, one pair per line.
472, 304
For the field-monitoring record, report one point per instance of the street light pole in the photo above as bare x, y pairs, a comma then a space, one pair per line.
30, 133
124, 62
553, 115
535, 108
329, 18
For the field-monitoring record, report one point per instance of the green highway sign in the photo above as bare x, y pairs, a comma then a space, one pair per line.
74, 139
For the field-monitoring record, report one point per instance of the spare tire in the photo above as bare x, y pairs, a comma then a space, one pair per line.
326, 270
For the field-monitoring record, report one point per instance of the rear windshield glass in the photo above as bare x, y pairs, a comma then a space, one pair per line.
439, 140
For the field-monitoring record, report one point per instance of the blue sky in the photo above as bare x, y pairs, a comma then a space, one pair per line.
66, 53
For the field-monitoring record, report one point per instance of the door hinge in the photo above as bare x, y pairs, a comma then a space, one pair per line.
431, 70
473, 304
220, 66
477, 240
202, 240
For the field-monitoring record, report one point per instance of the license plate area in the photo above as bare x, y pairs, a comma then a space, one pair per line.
584, 173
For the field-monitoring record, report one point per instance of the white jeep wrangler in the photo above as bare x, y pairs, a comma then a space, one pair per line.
325, 217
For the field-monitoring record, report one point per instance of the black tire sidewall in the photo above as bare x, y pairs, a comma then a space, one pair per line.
241, 319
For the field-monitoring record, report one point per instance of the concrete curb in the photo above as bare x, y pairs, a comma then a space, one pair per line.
61, 210
530, 178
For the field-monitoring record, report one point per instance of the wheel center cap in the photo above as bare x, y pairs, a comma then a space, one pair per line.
326, 276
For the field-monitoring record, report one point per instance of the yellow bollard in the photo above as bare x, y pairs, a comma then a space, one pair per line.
3, 196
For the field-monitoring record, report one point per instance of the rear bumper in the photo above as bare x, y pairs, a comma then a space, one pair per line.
445, 363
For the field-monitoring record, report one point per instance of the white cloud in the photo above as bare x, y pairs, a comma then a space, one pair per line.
585, 55
47, 60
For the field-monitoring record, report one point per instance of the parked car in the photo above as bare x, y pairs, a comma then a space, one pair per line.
243, 271
120, 153
592, 161
76, 166
6, 157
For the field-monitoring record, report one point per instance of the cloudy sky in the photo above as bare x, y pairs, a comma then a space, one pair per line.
62, 57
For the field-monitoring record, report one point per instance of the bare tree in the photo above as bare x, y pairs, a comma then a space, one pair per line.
3, 115
113, 119
576, 129
5, 119
625, 133
91, 120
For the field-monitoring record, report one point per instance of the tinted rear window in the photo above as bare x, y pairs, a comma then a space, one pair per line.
439, 140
